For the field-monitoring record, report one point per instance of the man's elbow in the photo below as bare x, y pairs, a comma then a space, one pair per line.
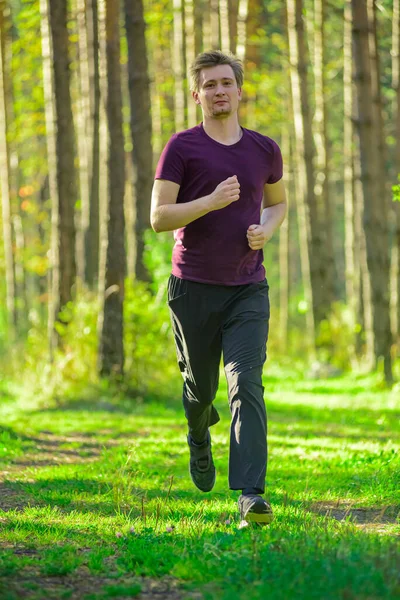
155, 225
155, 222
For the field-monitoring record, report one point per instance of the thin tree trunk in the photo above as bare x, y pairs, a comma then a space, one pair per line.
156, 104
178, 67
5, 188
375, 215
241, 28
111, 354
198, 17
215, 25
65, 151
321, 117
284, 247
61, 153
92, 232
51, 132
251, 58
20, 278
139, 93
395, 284
352, 267
207, 37
233, 7
130, 215
190, 56
304, 155
224, 21
43, 281
84, 137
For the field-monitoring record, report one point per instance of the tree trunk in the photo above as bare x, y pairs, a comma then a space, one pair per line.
111, 355
375, 213
215, 25
190, 56
92, 233
224, 20
233, 6
198, 17
156, 100
284, 247
241, 28
206, 20
352, 265
178, 67
323, 199
61, 154
395, 286
83, 138
140, 122
130, 215
5, 188
304, 155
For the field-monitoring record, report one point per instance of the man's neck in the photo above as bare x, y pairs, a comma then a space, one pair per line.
225, 131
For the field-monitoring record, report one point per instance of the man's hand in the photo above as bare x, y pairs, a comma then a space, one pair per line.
257, 237
225, 193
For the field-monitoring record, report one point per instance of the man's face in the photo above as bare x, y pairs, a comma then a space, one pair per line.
218, 93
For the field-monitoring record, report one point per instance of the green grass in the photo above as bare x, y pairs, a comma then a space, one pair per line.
96, 501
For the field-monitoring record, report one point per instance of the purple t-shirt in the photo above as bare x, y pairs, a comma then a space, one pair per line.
214, 248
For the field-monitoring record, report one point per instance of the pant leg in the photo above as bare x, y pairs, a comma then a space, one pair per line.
244, 339
198, 344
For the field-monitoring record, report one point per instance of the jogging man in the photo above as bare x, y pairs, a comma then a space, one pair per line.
219, 187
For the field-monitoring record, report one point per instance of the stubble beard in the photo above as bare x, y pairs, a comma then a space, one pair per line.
221, 113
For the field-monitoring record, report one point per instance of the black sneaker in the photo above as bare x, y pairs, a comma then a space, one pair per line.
201, 468
254, 509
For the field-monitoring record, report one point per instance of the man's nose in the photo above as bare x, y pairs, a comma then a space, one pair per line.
220, 90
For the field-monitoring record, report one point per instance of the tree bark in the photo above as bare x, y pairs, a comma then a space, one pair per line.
375, 213
395, 284
178, 67
215, 25
352, 257
224, 21
284, 247
233, 7
92, 233
111, 354
190, 56
140, 124
198, 26
83, 138
5, 188
61, 153
241, 28
304, 154
322, 183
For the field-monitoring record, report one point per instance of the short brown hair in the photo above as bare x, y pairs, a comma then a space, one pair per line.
212, 59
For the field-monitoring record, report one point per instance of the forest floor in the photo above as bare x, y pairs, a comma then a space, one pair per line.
96, 501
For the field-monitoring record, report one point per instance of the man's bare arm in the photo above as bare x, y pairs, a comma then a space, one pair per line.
272, 216
167, 215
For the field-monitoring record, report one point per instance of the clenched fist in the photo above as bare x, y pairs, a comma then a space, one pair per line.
225, 193
257, 237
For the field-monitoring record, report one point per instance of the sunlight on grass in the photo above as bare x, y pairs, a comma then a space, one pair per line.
105, 487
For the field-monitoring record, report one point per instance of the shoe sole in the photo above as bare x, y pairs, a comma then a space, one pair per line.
256, 519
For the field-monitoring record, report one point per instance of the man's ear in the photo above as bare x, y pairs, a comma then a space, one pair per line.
195, 96
240, 93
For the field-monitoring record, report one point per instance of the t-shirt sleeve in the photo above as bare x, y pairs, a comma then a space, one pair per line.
171, 165
277, 165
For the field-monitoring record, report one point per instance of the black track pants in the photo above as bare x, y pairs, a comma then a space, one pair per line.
210, 320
